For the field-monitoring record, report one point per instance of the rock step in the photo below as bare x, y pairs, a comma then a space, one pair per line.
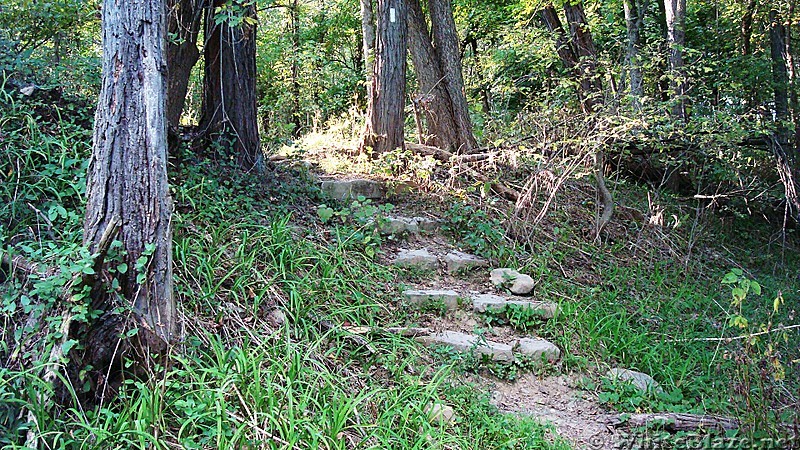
535, 350
421, 298
352, 189
454, 261
494, 303
412, 225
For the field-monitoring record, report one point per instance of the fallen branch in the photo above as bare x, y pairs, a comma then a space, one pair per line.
737, 338
606, 199
676, 421
444, 155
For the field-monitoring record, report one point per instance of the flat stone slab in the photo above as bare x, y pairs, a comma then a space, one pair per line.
488, 302
640, 380
498, 304
538, 350
432, 296
517, 283
352, 189
470, 344
427, 225
458, 262
398, 225
420, 259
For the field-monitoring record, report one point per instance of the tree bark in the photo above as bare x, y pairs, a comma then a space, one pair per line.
294, 16
675, 12
433, 97
368, 43
229, 86
445, 40
747, 27
780, 75
183, 26
634, 20
586, 54
386, 103
127, 181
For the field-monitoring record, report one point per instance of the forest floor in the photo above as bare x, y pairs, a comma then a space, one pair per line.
668, 263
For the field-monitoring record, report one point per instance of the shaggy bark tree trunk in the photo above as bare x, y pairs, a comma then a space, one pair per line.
634, 20
183, 26
433, 97
445, 41
229, 86
386, 103
127, 183
675, 12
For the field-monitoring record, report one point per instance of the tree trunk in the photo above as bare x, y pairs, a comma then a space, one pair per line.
747, 27
586, 54
183, 27
634, 20
445, 39
368, 43
791, 66
386, 103
433, 97
229, 87
294, 16
675, 12
780, 75
127, 182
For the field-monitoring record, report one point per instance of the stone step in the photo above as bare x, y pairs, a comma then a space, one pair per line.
527, 349
498, 304
420, 298
456, 261
352, 189
411, 225
537, 350
470, 344
419, 259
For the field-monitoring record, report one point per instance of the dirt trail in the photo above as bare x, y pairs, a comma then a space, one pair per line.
556, 400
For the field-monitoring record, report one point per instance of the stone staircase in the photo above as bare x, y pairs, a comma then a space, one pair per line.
458, 297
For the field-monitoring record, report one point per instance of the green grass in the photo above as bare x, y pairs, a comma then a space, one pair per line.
236, 380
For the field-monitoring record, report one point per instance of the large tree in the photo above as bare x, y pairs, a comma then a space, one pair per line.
445, 41
184, 18
229, 86
437, 66
634, 24
432, 100
386, 102
127, 186
675, 12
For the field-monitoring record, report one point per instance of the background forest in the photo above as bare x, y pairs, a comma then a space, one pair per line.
640, 159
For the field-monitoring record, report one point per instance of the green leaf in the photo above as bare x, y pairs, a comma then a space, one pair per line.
68, 345
325, 213
755, 287
730, 278
122, 268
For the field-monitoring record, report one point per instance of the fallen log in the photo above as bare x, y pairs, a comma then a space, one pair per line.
674, 422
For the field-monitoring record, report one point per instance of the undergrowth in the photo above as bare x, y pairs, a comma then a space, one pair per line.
257, 278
